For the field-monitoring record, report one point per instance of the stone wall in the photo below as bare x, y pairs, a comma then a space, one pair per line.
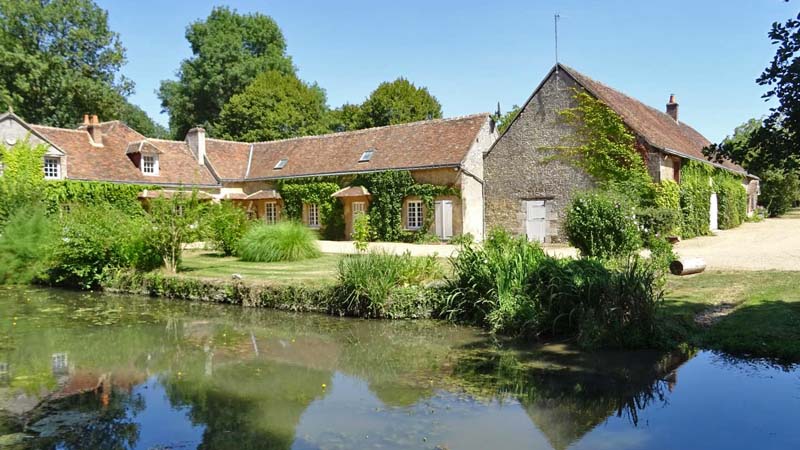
523, 165
12, 132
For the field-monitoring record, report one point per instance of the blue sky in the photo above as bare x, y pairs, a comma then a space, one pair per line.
472, 54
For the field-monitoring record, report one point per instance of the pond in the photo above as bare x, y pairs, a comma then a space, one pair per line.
84, 371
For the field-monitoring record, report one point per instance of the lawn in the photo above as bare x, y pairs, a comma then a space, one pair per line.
205, 264
760, 311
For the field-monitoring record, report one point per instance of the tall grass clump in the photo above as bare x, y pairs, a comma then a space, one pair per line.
512, 287
26, 246
381, 284
284, 241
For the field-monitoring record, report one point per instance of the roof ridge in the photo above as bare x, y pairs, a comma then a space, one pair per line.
73, 130
361, 131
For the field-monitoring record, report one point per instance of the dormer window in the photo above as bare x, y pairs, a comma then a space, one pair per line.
150, 164
281, 164
366, 156
52, 168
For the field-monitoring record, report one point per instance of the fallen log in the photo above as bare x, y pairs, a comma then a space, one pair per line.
687, 266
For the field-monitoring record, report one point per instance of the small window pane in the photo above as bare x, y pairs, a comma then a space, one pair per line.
51, 168
271, 212
366, 156
313, 215
414, 215
149, 164
281, 164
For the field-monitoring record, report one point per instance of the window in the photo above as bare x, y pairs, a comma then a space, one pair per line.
313, 215
270, 212
367, 155
414, 215
358, 209
149, 165
52, 168
281, 164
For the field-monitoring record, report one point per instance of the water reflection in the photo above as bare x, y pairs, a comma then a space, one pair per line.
92, 371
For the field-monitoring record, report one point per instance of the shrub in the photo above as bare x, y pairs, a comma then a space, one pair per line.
362, 233
26, 246
602, 225
779, 190
173, 222
284, 241
656, 221
384, 285
732, 199
225, 224
95, 240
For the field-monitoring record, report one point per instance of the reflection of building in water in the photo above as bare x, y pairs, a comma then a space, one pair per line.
60, 364
4, 375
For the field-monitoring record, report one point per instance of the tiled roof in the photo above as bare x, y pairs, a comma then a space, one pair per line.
109, 162
266, 194
425, 144
352, 191
658, 128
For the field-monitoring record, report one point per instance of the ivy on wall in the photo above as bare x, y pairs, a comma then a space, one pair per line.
696, 193
388, 190
731, 198
124, 197
316, 191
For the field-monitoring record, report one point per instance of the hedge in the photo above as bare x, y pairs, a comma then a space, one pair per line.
731, 198
695, 197
124, 197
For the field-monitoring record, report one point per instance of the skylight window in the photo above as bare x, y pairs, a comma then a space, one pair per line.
367, 155
281, 164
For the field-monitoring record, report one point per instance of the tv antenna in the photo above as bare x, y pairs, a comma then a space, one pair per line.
556, 18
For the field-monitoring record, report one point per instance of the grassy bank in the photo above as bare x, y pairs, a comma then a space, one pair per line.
205, 264
746, 313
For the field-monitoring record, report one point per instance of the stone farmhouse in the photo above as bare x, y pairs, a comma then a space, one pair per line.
527, 190
446, 152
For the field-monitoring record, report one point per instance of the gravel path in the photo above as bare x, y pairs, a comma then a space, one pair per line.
773, 244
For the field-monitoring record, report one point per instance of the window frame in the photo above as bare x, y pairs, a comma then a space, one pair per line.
417, 216
281, 164
57, 164
154, 168
315, 208
271, 212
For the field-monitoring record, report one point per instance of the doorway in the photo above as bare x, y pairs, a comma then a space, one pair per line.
443, 215
535, 224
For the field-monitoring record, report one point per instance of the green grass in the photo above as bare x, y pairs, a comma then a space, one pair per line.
204, 264
283, 241
765, 321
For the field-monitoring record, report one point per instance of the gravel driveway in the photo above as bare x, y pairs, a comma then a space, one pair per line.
773, 244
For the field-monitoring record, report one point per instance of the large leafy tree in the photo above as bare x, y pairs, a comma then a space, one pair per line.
59, 59
228, 51
395, 102
273, 106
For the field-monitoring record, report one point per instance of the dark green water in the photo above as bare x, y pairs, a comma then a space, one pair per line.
92, 371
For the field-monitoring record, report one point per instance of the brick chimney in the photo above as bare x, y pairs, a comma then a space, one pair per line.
196, 140
92, 125
672, 107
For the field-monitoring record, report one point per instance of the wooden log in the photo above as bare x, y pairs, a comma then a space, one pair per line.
687, 266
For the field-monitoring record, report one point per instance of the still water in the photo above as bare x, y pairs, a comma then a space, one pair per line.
92, 371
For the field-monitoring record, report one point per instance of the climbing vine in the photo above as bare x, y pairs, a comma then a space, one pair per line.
732, 199
22, 176
316, 191
124, 197
696, 193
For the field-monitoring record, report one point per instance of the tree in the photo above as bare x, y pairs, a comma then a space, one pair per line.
229, 50
344, 118
60, 60
273, 106
504, 120
399, 101
174, 221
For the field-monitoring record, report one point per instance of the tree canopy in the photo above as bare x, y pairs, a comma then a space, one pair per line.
228, 51
274, 106
396, 102
60, 60
504, 120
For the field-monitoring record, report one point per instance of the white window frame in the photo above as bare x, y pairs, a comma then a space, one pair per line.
271, 212
414, 216
312, 211
153, 165
55, 168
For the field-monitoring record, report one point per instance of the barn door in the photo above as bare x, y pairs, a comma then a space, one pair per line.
535, 225
714, 213
443, 215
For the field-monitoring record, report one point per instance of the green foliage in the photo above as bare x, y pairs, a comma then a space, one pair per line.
229, 50
344, 118
696, 193
396, 102
173, 222
283, 241
97, 240
26, 246
604, 147
60, 60
123, 197
225, 225
315, 191
375, 284
511, 286
602, 225
731, 199
389, 189
503, 121
661, 222
22, 179
362, 233
274, 106
779, 190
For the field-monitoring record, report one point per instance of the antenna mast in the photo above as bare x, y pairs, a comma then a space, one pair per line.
556, 16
